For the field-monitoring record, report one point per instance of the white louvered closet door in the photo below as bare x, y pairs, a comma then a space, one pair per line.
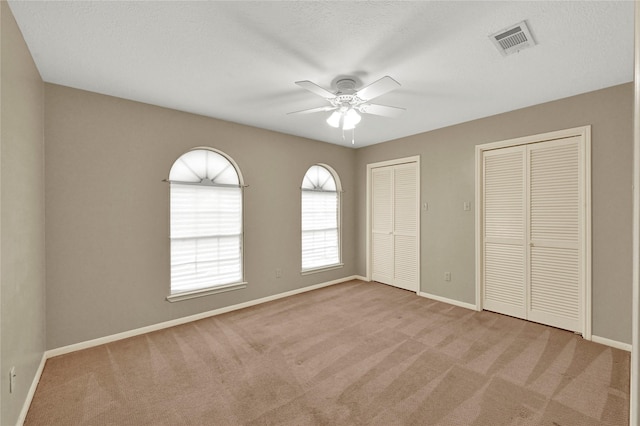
504, 204
405, 226
394, 225
555, 243
533, 252
382, 224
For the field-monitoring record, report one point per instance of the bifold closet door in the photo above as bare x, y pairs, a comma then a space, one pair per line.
533, 259
405, 226
504, 288
555, 237
394, 230
382, 224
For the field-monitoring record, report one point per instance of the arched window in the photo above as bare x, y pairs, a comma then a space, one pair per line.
206, 224
320, 218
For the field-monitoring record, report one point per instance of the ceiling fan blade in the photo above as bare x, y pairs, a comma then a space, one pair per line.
377, 88
314, 88
383, 110
318, 109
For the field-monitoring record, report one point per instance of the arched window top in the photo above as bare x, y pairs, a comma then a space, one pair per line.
321, 178
206, 167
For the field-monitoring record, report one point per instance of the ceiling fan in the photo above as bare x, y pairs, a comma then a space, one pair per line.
347, 102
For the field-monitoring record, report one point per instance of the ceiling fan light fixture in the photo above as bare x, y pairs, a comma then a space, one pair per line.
334, 119
351, 119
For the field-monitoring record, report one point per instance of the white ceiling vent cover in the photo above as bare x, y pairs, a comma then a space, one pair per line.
513, 39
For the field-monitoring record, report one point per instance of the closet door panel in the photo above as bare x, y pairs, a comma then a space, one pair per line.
555, 287
405, 226
405, 263
404, 199
382, 225
504, 231
382, 256
504, 279
555, 203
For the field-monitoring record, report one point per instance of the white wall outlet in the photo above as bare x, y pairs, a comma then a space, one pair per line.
447, 276
12, 379
278, 273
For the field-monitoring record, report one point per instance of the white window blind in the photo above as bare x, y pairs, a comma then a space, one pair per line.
320, 219
206, 222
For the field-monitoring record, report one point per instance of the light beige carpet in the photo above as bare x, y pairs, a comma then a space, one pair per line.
351, 354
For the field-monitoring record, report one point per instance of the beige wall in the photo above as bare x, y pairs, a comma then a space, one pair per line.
447, 167
22, 260
108, 219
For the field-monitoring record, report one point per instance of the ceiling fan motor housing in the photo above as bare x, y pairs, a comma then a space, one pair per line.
346, 85
345, 97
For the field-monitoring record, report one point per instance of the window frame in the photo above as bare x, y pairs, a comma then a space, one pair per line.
339, 191
220, 288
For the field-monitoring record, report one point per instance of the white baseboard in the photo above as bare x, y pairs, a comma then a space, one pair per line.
612, 343
32, 391
449, 301
361, 278
138, 331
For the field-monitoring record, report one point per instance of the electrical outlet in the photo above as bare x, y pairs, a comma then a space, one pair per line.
447, 276
12, 379
278, 273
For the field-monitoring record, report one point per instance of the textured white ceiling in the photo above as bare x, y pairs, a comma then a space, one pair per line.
238, 61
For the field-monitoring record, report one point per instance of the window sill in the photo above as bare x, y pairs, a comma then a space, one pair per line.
186, 295
321, 269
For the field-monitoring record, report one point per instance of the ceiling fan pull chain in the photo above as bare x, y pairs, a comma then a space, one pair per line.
353, 136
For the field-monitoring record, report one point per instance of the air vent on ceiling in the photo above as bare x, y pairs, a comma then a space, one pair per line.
513, 39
